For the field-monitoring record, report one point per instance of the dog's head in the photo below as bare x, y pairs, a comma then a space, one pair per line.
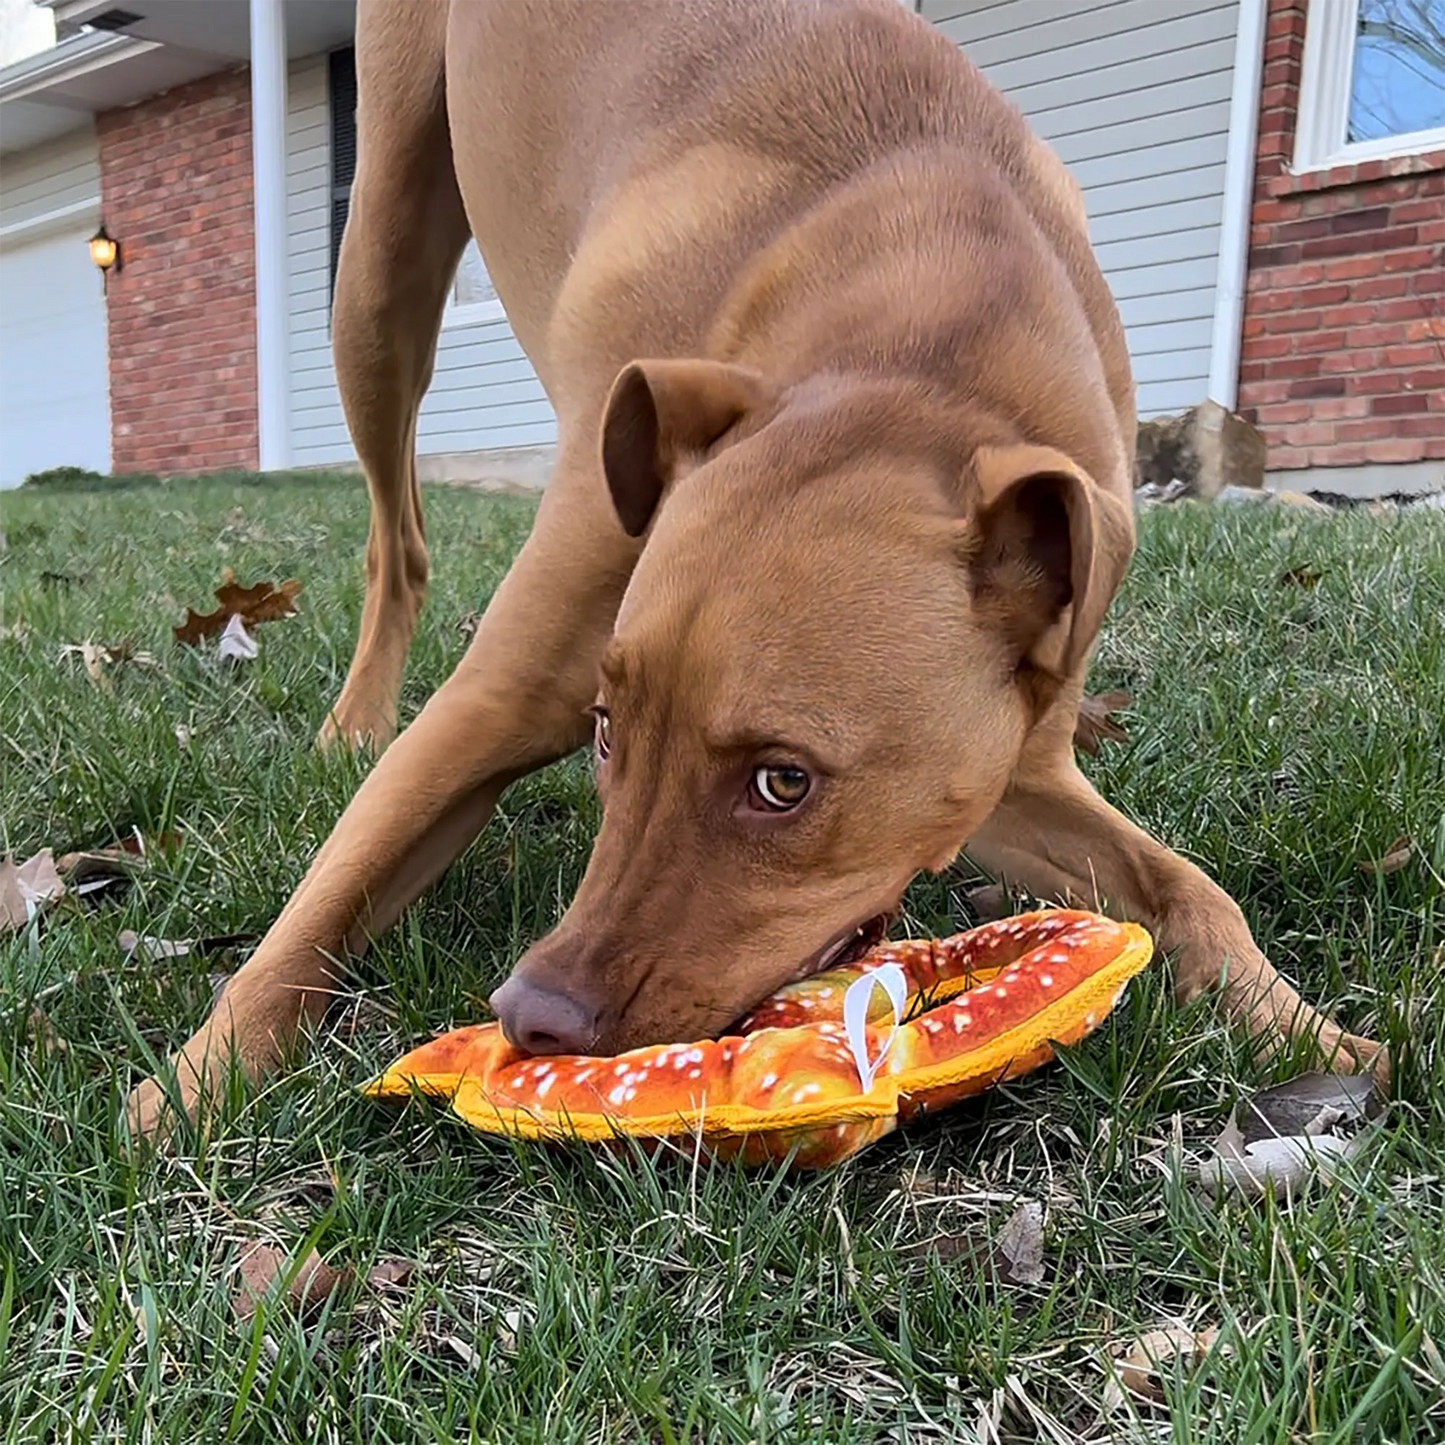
844, 622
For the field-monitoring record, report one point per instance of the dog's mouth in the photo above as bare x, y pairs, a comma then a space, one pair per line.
848, 946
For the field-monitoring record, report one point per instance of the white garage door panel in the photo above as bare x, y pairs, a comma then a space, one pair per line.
54, 403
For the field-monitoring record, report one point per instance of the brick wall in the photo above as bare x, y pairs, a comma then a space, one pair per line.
175, 175
1343, 360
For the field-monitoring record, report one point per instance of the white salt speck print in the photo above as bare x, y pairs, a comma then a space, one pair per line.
1046, 980
769, 1080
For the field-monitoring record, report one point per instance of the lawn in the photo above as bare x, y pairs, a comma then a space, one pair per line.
1288, 673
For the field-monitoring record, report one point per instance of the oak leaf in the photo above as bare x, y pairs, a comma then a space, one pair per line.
261, 602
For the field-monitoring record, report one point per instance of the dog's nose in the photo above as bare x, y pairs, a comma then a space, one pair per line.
542, 1021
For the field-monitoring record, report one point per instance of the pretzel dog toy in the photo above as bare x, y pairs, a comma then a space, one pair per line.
823, 1067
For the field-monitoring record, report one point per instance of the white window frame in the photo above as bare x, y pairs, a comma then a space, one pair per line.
475, 313
1324, 98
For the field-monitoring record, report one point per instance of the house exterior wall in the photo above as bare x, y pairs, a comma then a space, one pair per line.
1133, 95
1343, 355
484, 394
55, 175
175, 176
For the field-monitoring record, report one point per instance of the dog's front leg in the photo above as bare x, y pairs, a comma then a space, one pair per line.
517, 701
1056, 837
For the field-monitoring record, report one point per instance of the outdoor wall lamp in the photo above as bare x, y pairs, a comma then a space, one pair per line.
105, 250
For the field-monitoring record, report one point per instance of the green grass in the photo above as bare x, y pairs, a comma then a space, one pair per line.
1280, 735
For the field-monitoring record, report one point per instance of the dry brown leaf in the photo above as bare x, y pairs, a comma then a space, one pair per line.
150, 949
1016, 1252
25, 888
1019, 1247
1141, 1366
1285, 1137
99, 658
1395, 857
1304, 576
263, 1266
263, 602
989, 902
390, 1273
1095, 724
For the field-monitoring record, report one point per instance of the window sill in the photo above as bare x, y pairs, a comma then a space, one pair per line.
482, 313
1357, 173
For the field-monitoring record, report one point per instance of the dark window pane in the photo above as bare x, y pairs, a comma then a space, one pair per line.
342, 67
1398, 85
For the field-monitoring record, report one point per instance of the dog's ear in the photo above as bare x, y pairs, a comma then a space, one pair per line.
1047, 550
660, 418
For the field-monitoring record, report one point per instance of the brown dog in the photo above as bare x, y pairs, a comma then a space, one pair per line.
825, 573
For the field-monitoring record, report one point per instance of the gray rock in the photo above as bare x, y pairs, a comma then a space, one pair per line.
1206, 449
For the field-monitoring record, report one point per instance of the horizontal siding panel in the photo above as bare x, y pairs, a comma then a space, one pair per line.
1168, 398
484, 392
1168, 304
1138, 103
1197, 122
516, 431
1187, 243
469, 394
1146, 162
60, 172
1127, 76
1041, 29
1150, 340
1192, 275
1201, 213
1181, 364
1202, 183
1134, 97
1093, 59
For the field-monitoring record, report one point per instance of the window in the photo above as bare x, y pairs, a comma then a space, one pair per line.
472, 300
1373, 83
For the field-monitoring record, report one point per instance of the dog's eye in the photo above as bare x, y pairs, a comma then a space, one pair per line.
780, 787
602, 734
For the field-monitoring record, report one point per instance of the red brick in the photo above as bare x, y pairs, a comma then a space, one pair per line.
176, 188
1356, 243
1399, 404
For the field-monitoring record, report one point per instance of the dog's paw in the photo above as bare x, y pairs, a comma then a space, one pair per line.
359, 726
158, 1106
1355, 1055
150, 1113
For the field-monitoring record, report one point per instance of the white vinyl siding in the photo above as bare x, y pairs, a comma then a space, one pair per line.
1134, 97
55, 175
484, 393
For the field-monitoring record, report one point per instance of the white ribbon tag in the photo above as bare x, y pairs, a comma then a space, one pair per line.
855, 1016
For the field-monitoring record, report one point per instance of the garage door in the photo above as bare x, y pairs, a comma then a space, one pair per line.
54, 401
